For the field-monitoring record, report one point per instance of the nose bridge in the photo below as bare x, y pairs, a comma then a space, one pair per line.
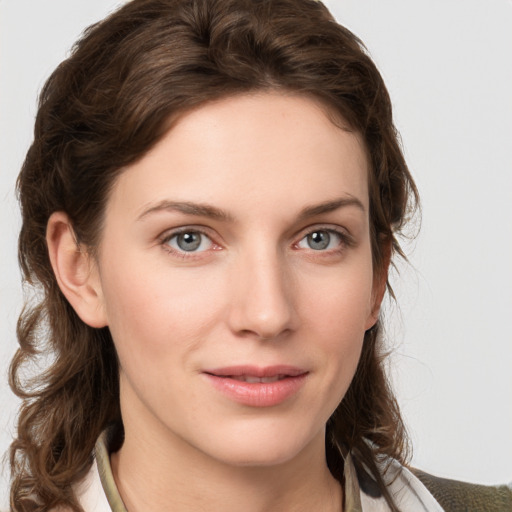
263, 303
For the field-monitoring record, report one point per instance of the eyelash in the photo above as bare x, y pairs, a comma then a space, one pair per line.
345, 241
167, 237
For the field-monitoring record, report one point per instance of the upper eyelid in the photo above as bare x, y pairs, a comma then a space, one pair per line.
169, 233
167, 236
343, 232
347, 239
324, 227
164, 239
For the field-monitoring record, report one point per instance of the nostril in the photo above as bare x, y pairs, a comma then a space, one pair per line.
268, 336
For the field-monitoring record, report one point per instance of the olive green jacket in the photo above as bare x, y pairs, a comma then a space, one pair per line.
457, 496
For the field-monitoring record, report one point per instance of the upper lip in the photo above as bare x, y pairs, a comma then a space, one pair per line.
256, 371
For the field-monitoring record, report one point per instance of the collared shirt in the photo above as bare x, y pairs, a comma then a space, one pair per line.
98, 491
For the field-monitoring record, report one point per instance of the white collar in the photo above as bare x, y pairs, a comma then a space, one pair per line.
97, 492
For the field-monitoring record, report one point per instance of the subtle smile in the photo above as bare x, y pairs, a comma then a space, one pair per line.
257, 387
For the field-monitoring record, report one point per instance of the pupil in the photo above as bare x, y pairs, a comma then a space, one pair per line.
319, 240
189, 241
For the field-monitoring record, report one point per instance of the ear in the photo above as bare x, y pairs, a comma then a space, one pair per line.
76, 271
380, 280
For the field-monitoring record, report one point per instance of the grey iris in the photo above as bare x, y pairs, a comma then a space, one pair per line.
319, 240
188, 241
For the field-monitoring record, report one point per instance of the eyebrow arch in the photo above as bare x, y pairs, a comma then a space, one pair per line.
188, 208
206, 210
330, 206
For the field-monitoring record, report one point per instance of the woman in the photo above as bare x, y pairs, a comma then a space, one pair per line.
211, 203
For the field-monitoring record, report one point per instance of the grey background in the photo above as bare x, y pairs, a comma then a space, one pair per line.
448, 67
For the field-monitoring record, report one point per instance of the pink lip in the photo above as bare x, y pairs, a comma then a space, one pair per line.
257, 394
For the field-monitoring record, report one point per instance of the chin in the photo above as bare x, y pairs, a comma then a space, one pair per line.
259, 456
264, 447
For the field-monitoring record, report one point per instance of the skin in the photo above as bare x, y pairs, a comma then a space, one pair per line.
255, 292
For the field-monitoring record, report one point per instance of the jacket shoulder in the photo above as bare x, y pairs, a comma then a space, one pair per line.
457, 496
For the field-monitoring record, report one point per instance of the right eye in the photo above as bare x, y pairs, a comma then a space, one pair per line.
189, 241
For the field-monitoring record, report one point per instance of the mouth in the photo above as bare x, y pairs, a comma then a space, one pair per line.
255, 374
257, 386
252, 379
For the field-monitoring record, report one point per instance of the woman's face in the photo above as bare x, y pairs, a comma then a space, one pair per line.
236, 278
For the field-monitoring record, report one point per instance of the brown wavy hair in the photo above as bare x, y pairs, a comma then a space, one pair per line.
105, 107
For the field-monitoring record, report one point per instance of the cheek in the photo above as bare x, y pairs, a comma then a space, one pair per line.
340, 302
151, 307
336, 313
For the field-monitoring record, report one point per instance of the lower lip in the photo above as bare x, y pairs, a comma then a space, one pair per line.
257, 394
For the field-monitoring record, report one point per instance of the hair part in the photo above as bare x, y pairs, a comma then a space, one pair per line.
104, 108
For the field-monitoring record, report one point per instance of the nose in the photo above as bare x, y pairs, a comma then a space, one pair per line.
262, 303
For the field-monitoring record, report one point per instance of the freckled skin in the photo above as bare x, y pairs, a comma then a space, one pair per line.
255, 292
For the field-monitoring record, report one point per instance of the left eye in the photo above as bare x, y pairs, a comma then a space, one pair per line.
321, 240
190, 241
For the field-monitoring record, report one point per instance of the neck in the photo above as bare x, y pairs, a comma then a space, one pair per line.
166, 474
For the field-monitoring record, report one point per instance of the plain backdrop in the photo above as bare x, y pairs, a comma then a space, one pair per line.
448, 67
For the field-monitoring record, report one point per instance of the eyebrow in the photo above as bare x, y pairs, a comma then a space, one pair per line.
330, 206
188, 208
206, 210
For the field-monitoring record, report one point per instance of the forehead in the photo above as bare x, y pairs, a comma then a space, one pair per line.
261, 149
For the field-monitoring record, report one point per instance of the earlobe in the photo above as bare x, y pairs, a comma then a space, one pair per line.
75, 270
